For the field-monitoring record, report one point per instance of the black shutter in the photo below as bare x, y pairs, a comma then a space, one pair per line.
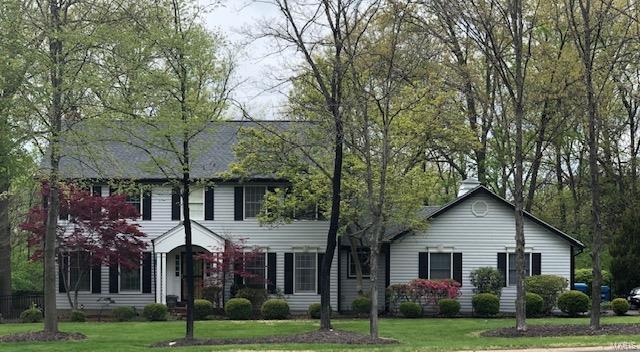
112, 191
238, 204
208, 203
536, 264
319, 264
175, 203
288, 273
146, 272
502, 267
96, 278
96, 191
271, 272
146, 204
237, 279
457, 267
423, 265
113, 276
62, 270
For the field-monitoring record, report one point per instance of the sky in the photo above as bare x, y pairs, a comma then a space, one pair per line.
255, 66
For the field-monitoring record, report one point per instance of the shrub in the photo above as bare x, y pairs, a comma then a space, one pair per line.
449, 307
534, 304
361, 305
31, 315
275, 309
201, 309
585, 275
123, 313
238, 309
256, 296
314, 310
487, 280
78, 316
620, 306
486, 304
549, 287
410, 309
423, 291
155, 312
573, 303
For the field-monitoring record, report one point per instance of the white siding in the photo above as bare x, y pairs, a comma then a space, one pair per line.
303, 235
348, 285
479, 239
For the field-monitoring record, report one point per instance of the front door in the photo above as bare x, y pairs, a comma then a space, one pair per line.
198, 276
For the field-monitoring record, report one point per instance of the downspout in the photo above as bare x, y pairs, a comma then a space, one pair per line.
155, 269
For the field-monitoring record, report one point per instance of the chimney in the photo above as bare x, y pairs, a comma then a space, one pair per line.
467, 185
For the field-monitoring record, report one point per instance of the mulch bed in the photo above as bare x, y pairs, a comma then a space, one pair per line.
565, 330
335, 336
42, 336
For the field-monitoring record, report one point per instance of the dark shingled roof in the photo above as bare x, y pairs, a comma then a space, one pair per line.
114, 153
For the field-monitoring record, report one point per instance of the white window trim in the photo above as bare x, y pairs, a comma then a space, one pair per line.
191, 214
507, 265
90, 272
266, 269
450, 265
129, 292
351, 275
244, 201
313, 292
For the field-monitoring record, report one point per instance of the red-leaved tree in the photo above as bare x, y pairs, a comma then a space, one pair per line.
99, 231
232, 261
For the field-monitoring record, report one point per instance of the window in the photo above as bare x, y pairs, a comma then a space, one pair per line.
511, 267
305, 272
439, 266
309, 212
253, 196
130, 279
363, 255
79, 271
256, 265
196, 203
134, 198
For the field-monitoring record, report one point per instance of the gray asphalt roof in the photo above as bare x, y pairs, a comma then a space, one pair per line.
118, 153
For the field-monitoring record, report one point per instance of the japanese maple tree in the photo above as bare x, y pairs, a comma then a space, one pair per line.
99, 231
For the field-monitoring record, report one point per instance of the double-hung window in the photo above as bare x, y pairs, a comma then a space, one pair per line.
196, 203
305, 267
440, 266
134, 197
253, 197
364, 257
130, 279
511, 270
79, 271
256, 266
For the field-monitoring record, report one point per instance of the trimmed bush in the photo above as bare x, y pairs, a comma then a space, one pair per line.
585, 276
549, 287
620, 306
449, 307
201, 309
275, 309
410, 309
256, 296
534, 304
486, 304
123, 313
31, 315
155, 312
487, 280
573, 303
238, 309
314, 310
78, 316
361, 305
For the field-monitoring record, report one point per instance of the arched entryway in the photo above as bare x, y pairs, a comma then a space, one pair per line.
170, 260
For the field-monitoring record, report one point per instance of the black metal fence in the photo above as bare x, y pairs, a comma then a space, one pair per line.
12, 306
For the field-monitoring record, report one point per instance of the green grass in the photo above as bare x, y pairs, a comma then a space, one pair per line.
414, 335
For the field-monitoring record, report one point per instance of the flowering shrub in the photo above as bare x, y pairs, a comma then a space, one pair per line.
424, 292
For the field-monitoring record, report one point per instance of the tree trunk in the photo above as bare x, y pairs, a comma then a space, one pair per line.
325, 277
358, 265
5, 240
373, 289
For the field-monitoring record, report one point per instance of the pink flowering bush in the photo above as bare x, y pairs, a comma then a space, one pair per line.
424, 292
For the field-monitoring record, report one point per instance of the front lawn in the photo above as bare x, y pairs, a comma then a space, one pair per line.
419, 334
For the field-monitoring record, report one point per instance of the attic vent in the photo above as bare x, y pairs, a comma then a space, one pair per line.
480, 208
